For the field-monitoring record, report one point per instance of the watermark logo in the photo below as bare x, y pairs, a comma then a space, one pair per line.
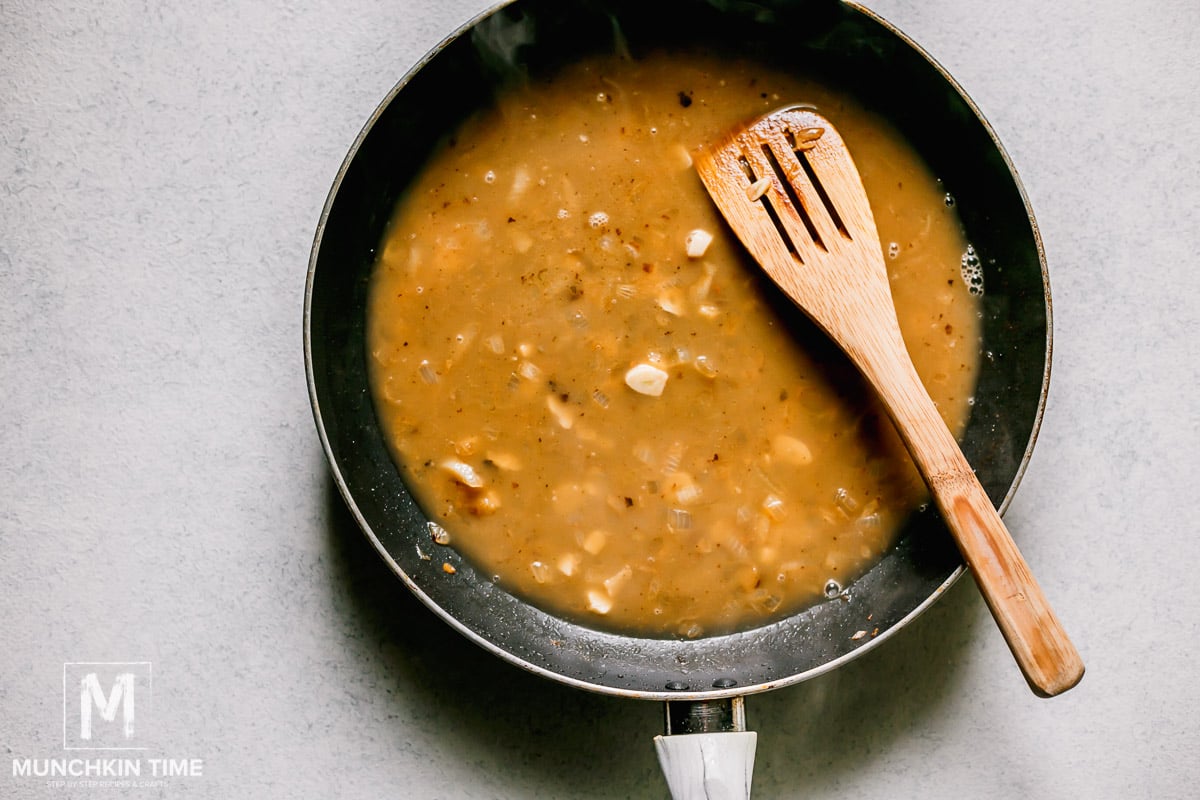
107, 705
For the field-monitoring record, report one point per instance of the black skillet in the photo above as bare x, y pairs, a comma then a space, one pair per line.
856, 50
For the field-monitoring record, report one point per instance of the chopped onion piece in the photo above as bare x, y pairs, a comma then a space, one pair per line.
747, 577
679, 519
521, 181
673, 459
568, 564
774, 507
521, 240
646, 379
757, 189
505, 461
614, 583
427, 373
768, 601
594, 541
847, 504
598, 601
703, 285
738, 547
697, 243
807, 136
485, 504
393, 390
686, 495
463, 472
587, 434
682, 157
684, 488
439, 534
792, 450
670, 300
561, 411
529, 370
868, 522
704, 366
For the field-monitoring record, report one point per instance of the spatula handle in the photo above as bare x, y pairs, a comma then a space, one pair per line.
1041, 647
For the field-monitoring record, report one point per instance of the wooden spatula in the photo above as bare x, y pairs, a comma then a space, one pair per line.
789, 189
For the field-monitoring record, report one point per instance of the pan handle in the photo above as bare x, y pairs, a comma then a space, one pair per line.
707, 753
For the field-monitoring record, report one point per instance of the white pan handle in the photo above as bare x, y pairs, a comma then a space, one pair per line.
708, 766
707, 753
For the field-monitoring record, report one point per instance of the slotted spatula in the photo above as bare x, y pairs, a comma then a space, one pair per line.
789, 189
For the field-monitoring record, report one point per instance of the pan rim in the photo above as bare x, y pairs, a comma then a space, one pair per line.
656, 695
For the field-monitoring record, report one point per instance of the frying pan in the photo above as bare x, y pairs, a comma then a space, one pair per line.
704, 680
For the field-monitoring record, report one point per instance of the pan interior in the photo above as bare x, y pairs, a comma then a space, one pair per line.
839, 42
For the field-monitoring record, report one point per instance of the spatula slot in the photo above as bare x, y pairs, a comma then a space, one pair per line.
806, 165
747, 170
753, 177
790, 191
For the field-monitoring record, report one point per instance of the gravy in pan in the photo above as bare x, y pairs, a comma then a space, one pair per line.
613, 413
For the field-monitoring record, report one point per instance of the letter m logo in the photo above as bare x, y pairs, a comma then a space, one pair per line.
90, 694
101, 702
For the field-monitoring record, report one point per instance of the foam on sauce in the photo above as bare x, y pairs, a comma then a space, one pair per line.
597, 397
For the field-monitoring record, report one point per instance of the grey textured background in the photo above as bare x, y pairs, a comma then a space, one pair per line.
163, 496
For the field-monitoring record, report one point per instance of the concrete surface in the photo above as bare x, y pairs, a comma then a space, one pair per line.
164, 499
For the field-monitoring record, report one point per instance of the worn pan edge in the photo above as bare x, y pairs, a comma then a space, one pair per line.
488, 645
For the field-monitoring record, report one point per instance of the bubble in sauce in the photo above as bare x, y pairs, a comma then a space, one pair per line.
972, 271
893, 249
598, 219
950, 201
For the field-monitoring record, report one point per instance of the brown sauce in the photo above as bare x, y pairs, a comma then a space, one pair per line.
636, 438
